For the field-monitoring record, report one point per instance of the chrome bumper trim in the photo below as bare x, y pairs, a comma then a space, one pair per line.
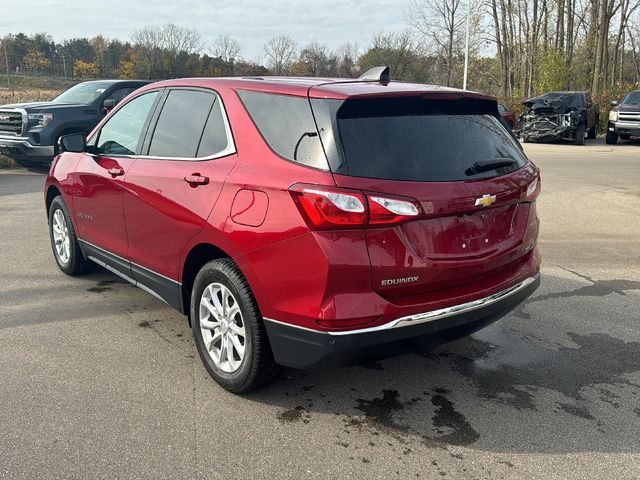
23, 144
432, 315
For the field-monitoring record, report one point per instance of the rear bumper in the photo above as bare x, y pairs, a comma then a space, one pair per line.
304, 348
19, 148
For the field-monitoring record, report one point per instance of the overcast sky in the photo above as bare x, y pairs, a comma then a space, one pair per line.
251, 22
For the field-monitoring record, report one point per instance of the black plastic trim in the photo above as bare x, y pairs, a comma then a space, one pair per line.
315, 350
167, 290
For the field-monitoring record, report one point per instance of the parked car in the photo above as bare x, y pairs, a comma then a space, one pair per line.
303, 222
507, 115
559, 115
29, 132
624, 118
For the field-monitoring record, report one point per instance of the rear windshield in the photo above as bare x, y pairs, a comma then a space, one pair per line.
418, 139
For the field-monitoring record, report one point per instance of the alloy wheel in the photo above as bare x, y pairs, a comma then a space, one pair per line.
61, 237
222, 327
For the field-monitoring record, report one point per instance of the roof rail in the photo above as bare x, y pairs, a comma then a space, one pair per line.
375, 74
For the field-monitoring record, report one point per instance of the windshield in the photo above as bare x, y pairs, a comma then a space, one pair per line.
83, 93
632, 98
424, 140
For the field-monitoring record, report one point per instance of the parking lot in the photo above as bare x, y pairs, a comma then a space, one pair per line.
99, 379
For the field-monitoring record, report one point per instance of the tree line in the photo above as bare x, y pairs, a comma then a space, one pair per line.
518, 48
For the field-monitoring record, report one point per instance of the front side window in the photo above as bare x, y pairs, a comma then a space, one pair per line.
181, 125
121, 134
286, 123
119, 94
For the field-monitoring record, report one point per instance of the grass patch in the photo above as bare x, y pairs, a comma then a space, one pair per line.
6, 162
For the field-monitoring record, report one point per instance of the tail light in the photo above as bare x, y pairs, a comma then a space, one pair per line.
325, 208
385, 211
533, 190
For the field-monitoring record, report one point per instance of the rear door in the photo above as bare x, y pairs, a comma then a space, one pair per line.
174, 185
99, 179
469, 175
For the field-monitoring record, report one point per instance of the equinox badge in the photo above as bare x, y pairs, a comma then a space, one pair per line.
399, 281
485, 200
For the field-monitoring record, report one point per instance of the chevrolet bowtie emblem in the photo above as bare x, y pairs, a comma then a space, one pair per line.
485, 200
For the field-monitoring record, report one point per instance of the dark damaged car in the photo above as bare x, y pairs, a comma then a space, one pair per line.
559, 116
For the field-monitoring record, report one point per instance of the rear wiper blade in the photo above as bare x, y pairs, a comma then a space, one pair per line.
487, 165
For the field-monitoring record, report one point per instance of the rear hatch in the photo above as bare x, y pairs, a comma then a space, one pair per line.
452, 155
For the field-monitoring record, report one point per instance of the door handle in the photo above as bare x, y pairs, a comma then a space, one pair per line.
116, 171
196, 179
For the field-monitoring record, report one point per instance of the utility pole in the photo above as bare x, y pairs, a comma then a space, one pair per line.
6, 61
466, 48
64, 66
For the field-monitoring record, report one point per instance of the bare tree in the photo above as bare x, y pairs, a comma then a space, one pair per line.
399, 51
177, 39
148, 41
347, 55
317, 60
633, 33
227, 49
441, 21
152, 41
280, 52
606, 11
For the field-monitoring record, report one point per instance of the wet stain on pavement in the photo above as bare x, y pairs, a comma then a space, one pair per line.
446, 418
598, 288
103, 286
576, 411
291, 415
379, 411
372, 366
512, 373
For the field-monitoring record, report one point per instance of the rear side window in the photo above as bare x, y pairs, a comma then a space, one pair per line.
422, 140
286, 123
181, 124
214, 138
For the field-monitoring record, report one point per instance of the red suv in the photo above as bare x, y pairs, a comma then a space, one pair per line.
300, 221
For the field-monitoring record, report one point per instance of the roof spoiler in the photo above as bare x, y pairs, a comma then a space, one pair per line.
375, 74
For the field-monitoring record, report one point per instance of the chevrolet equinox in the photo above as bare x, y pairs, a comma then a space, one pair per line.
304, 222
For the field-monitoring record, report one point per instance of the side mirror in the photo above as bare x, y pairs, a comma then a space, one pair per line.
74, 142
109, 104
613, 103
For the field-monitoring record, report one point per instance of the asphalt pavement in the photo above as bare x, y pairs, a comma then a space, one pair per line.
99, 379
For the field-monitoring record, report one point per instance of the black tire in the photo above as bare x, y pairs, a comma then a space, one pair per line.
611, 139
76, 264
257, 367
593, 131
625, 137
579, 137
